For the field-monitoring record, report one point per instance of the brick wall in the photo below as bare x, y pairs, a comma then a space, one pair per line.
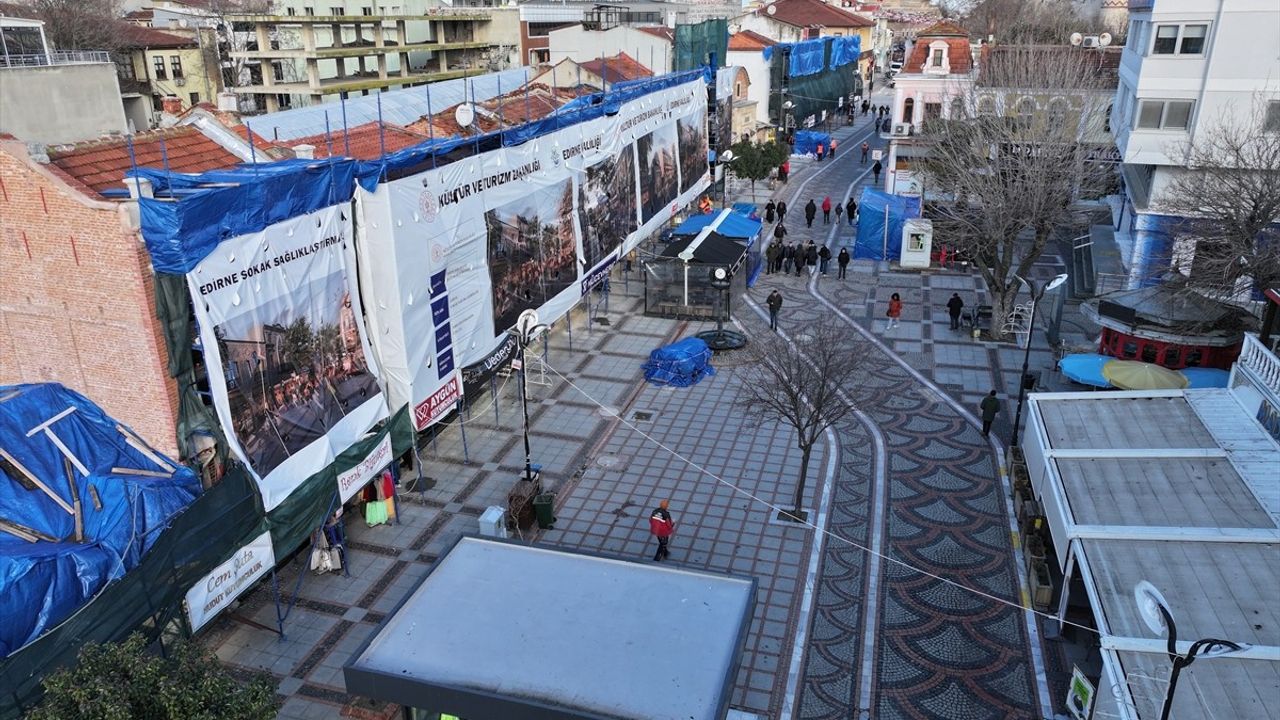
76, 303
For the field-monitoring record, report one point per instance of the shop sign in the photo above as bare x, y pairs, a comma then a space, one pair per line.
350, 482
215, 591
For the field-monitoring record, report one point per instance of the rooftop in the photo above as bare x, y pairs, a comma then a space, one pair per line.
617, 68
661, 31
1177, 488
363, 142
100, 165
959, 54
749, 40
138, 36
814, 13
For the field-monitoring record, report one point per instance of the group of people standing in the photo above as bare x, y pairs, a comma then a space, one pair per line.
879, 110
783, 258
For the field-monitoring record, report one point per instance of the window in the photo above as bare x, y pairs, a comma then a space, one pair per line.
308, 11
1106, 120
1171, 357
1194, 357
908, 110
175, 62
932, 111
157, 103
986, 106
1179, 39
1130, 349
1164, 114
157, 64
937, 57
1026, 110
1272, 121
336, 10
1149, 352
290, 11
194, 98
957, 108
1056, 114
366, 11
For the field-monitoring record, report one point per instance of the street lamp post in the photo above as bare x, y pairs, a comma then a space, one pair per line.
723, 160
1154, 610
1036, 295
527, 328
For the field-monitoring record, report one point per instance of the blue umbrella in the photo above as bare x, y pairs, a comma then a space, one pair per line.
1205, 377
1085, 368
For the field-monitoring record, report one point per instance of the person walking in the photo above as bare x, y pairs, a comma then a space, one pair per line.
866, 147
850, 209
788, 255
811, 258
782, 212
894, 312
839, 211
843, 261
833, 147
810, 210
990, 407
662, 527
875, 171
769, 210
785, 172
775, 304
772, 254
826, 210
820, 152
824, 258
954, 307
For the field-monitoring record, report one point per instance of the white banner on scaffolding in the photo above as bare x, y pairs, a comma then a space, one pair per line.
450, 257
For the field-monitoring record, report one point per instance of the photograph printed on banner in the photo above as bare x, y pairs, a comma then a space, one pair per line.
532, 251
693, 149
607, 206
658, 181
294, 367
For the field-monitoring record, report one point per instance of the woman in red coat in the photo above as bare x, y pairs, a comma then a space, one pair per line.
826, 210
895, 311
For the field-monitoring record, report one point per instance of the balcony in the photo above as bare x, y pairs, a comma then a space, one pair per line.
83, 57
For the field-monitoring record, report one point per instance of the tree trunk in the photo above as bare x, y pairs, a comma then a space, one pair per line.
1002, 304
805, 450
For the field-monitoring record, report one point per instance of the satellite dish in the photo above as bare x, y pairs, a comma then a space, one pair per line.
771, 9
1149, 602
1076, 39
1104, 39
465, 115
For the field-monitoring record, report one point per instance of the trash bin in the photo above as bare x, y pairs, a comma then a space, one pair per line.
544, 510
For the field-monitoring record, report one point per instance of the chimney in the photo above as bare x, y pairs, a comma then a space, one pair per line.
171, 105
304, 152
227, 102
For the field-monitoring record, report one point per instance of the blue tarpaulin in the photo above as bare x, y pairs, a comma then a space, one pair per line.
680, 364
880, 219
845, 50
807, 142
125, 498
807, 57
734, 225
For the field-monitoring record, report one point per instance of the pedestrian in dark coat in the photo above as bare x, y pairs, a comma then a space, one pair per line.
662, 527
990, 406
811, 258
843, 261
810, 211
782, 211
866, 147
773, 254
826, 210
850, 210
839, 209
875, 171
775, 304
768, 211
954, 307
824, 258
788, 257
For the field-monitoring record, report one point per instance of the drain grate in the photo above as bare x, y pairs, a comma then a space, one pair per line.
642, 416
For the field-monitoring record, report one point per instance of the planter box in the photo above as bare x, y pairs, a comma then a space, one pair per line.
1035, 550
1041, 583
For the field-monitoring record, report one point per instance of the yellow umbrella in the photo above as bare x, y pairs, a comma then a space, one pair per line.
1133, 375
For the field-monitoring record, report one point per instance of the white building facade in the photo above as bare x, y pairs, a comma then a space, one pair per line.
1187, 65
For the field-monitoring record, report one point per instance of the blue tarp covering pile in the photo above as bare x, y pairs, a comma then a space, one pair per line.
845, 50
125, 499
734, 225
807, 142
880, 220
680, 364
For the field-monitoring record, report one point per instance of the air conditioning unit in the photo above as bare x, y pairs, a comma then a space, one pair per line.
1091, 41
180, 81
901, 129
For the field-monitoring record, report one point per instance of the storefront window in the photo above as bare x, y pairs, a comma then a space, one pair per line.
1194, 357
1130, 349
1171, 357
1149, 352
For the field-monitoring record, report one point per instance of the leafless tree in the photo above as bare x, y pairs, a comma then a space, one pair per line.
798, 384
81, 24
1230, 244
1027, 21
1013, 156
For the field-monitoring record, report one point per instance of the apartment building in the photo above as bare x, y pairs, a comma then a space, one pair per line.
1187, 66
305, 53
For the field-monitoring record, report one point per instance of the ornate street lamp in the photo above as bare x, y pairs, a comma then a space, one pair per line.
1154, 610
527, 328
1036, 295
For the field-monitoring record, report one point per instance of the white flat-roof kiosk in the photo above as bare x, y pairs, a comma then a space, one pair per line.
500, 630
1180, 488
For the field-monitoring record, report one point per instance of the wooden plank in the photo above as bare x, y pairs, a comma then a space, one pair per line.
75, 499
139, 471
38, 482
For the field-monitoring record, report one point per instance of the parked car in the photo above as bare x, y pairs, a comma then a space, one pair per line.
895, 67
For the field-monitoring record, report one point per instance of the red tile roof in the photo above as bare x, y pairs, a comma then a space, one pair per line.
661, 31
137, 36
142, 17
619, 67
811, 13
943, 28
363, 140
749, 40
513, 108
101, 164
959, 54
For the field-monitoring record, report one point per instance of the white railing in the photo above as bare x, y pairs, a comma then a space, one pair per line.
55, 58
1262, 366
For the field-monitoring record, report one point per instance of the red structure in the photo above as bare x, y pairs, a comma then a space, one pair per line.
1169, 325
